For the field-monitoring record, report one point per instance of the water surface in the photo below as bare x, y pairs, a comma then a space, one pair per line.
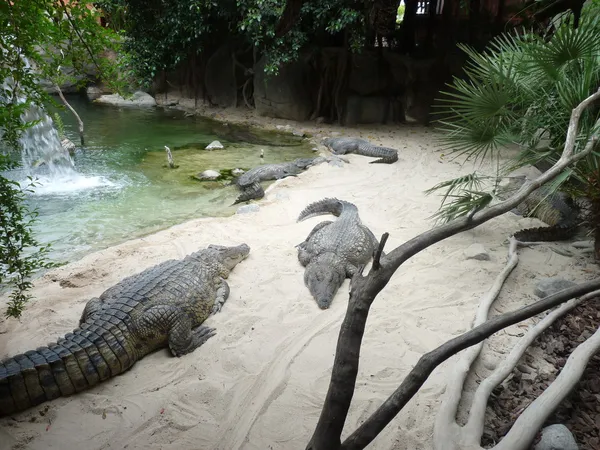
123, 189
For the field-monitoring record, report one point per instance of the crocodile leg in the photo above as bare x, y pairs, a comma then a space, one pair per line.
91, 307
182, 338
222, 295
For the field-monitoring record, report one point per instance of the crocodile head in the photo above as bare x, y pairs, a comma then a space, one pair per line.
304, 163
230, 256
323, 280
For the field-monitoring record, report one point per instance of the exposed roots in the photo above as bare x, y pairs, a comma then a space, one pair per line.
448, 435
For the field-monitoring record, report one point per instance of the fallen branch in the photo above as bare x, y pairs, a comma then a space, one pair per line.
64, 100
364, 290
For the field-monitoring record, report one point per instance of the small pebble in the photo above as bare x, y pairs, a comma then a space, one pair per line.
556, 437
549, 286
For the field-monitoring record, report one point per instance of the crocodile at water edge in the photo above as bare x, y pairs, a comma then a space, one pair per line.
249, 182
557, 210
334, 251
344, 145
162, 306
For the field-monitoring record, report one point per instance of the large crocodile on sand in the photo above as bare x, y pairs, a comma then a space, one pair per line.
555, 209
249, 182
164, 305
333, 251
344, 145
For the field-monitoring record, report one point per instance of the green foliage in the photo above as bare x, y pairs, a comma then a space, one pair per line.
38, 39
162, 33
521, 92
17, 259
59, 124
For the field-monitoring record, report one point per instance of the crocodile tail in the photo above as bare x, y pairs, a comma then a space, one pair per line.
76, 362
251, 192
326, 206
545, 234
386, 155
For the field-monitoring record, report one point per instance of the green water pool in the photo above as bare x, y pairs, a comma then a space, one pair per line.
124, 190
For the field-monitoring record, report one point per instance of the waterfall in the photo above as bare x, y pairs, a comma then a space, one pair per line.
42, 154
41, 149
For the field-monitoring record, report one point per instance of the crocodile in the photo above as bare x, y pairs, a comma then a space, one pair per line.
249, 182
163, 306
333, 251
344, 145
555, 209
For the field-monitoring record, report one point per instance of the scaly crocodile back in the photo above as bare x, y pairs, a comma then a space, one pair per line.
128, 321
328, 206
344, 145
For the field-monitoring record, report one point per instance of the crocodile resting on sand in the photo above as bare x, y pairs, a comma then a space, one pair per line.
249, 182
334, 251
343, 146
557, 210
162, 306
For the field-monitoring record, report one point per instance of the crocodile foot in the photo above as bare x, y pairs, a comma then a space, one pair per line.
200, 335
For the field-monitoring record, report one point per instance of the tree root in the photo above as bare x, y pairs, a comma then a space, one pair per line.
445, 425
448, 435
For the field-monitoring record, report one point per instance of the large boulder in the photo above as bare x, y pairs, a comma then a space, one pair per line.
284, 95
372, 109
367, 75
138, 99
219, 77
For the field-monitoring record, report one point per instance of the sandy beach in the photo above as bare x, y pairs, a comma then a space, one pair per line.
260, 382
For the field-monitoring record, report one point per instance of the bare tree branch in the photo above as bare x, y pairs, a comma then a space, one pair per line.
428, 362
474, 426
62, 97
525, 427
364, 289
379, 251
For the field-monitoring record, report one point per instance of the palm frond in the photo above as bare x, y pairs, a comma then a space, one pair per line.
463, 204
468, 182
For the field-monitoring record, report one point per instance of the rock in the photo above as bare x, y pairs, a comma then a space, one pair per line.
476, 251
556, 437
213, 145
282, 196
138, 99
248, 209
68, 145
549, 286
208, 175
367, 77
283, 95
298, 133
237, 172
372, 109
94, 92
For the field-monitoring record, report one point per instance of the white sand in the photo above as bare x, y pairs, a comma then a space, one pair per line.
260, 382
